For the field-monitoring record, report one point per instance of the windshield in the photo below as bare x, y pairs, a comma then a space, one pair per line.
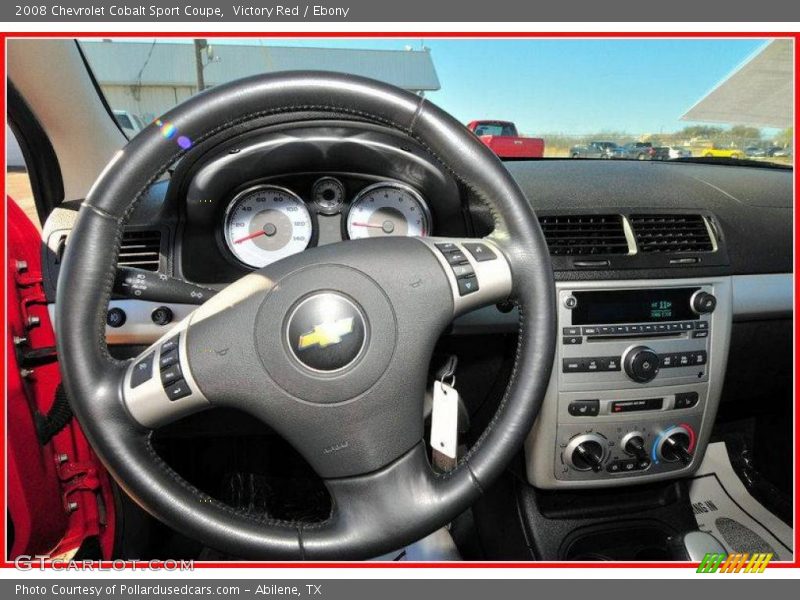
722, 100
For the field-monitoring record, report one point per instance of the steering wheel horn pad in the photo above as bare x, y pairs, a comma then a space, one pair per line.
355, 414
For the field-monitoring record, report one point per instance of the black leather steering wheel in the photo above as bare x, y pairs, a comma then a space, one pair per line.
329, 347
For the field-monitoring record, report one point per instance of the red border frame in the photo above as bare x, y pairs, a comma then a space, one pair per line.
415, 34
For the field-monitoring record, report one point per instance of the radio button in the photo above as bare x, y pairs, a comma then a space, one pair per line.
606, 330
661, 327
572, 340
687, 326
648, 328
573, 365
590, 331
635, 329
609, 363
675, 327
584, 408
572, 330
701, 325
700, 334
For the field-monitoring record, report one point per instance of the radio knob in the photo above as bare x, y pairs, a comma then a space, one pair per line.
703, 303
586, 452
674, 445
641, 364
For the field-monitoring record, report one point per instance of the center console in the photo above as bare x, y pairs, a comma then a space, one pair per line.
635, 384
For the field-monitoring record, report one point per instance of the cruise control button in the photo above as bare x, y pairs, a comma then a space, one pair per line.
467, 285
168, 359
584, 408
480, 252
462, 270
142, 370
456, 257
178, 390
171, 374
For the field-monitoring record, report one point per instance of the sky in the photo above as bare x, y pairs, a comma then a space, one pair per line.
569, 86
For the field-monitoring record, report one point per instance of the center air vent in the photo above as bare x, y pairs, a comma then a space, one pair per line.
671, 233
140, 249
584, 235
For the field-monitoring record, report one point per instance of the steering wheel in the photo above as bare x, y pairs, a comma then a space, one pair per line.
329, 347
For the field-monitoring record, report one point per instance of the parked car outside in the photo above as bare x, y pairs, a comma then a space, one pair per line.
594, 150
504, 139
679, 152
754, 152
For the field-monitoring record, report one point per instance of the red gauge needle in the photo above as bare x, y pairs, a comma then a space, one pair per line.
268, 230
355, 224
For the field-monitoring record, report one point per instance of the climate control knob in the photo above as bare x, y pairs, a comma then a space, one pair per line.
633, 444
703, 303
676, 444
586, 452
641, 363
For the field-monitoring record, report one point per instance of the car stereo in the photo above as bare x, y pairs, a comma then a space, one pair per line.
635, 384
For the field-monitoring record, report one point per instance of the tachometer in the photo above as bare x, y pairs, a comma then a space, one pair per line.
267, 223
388, 209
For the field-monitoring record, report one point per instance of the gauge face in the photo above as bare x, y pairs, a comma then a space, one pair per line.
328, 195
388, 209
265, 224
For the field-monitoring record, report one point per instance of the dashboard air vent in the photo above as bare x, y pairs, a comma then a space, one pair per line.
671, 233
584, 235
141, 249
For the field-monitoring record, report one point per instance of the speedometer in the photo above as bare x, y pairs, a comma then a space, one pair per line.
266, 223
388, 209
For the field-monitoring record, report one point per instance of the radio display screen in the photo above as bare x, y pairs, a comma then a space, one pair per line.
633, 306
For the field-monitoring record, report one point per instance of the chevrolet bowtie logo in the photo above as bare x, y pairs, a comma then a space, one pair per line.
326, 334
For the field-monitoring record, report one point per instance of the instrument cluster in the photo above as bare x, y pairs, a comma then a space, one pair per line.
265, 223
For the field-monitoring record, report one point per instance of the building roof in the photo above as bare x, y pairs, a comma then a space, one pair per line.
759, 93
173, 64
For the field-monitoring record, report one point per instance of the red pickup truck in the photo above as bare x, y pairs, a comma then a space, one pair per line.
504, 140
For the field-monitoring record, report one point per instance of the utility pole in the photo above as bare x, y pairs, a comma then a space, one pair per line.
199, 46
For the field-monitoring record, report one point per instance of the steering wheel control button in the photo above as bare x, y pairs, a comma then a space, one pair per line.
169, 345
462, 271
467, 285
326, 332
455, 257
142, 370
116, 317
445, 247
171, 374
162, 316
584, 408
168, 359
178, 390
480, 252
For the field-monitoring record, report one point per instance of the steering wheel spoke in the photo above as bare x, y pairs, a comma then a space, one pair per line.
159, 386
476, 269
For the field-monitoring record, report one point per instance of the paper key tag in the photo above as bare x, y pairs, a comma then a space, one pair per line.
444, 419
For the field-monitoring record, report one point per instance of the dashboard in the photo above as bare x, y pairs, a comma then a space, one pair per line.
654, 265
